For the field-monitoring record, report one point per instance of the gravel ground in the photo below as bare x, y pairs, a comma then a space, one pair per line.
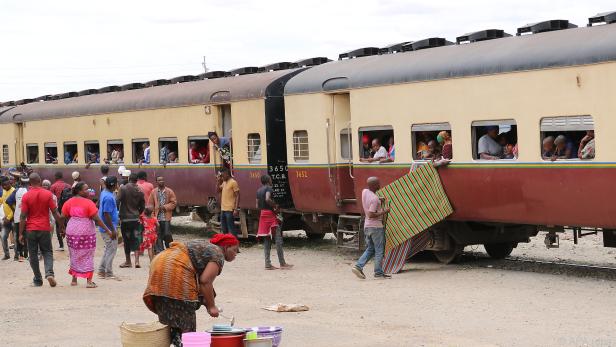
476, 302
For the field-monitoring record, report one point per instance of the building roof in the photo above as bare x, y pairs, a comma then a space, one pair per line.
553, 49
203, 92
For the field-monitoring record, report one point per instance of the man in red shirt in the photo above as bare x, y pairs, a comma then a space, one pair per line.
56, 188
34, 221
145, 186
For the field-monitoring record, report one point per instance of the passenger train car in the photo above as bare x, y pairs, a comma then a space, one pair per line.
304, 124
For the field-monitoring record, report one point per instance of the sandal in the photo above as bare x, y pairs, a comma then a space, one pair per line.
137, 266
271, 267
91, 285
125, 265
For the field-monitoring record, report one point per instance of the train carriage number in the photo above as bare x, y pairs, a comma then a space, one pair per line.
301, 174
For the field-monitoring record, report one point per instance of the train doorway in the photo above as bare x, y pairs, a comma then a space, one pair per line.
343, 180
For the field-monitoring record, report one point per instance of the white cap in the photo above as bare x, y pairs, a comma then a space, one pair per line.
121, 169
75, 175
125, 173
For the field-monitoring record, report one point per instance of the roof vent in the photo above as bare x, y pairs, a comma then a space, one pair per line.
548, 25
43, 98
182, 79
23, 101
244, 71
154, 83
605, 17
426, 43
482, 35
64, 95
109, 89
212, 74
283, 65
88, 92
312, 61
395, 48
132, 86
358, 53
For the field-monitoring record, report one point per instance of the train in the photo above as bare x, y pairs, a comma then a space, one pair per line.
304, 124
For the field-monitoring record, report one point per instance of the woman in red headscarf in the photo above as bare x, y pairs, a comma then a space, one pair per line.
182, 279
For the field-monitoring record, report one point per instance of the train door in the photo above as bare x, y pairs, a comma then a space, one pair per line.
227, 131
19, 143
343, 140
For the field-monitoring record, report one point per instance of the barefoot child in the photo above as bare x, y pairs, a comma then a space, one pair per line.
269, 226
150, 226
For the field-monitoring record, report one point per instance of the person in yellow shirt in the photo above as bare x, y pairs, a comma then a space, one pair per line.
7, 221
229, 201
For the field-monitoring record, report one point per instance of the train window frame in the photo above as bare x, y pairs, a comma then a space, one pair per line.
161, 142
136, 144
110, 144
200, 141
65, 149
301, 155
431, 128
505, 122
88, 143
29, 147
572, 127
5, 155
346, 149
252, 143
375, 129
51, 145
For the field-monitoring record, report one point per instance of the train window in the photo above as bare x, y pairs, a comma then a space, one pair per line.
300, 145
254, 148
495, 140
70, 152
5, 154
168, 150
51, 153
93, 152
115, 152
32, 153
431, 141
377, 144
198, 150
141, 151
566, 138
346, 141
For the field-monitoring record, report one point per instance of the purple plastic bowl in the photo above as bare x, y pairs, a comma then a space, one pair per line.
272, 331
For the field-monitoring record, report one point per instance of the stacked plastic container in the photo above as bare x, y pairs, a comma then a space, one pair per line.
198, 339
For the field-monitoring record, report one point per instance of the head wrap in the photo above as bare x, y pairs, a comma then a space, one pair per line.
365, 139
224, 240
75, 175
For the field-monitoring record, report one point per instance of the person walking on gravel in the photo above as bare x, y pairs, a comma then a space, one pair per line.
35, 227
373, 230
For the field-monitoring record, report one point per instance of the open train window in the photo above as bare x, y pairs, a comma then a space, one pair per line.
346, 143
431, 141
300, 146
70, 152
495, 139
141, 151
32, 153
5, 154
567, 138
254, 148
51, 153
93, 152
198, 150
115, 152
168, 150
377, 144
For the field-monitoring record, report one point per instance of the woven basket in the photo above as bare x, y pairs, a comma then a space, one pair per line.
152, 334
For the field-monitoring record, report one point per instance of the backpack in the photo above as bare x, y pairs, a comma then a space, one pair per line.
66, 194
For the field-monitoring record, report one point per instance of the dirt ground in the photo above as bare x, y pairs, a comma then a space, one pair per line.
472, 303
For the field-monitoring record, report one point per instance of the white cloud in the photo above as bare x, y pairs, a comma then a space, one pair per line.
53, 47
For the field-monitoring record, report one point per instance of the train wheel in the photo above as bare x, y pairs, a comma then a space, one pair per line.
449, 255
314, 236
499, 250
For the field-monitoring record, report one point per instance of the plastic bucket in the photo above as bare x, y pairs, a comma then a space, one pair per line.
198, 339
270, 331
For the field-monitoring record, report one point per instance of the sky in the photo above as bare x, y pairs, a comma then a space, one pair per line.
50, 47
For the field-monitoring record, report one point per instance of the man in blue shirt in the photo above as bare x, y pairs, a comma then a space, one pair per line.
108, 213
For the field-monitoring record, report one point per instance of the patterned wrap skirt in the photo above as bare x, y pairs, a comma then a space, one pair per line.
81, 241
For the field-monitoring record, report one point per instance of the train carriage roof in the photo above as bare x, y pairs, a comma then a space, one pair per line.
209, 91
562, 48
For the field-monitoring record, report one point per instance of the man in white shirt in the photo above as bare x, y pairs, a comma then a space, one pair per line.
487, 147
380, 153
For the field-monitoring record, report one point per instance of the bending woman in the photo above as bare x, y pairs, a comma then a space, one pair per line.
182, 279
81, 233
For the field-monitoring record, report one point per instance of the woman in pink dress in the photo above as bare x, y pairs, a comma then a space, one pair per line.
81, 214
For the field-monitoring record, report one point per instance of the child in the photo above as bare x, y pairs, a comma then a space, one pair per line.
150, 227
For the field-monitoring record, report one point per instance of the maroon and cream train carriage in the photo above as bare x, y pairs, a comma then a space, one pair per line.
549, 82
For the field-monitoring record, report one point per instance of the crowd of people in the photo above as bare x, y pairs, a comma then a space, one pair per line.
563, 147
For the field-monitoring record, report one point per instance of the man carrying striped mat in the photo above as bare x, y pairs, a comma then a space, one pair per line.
417, 201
